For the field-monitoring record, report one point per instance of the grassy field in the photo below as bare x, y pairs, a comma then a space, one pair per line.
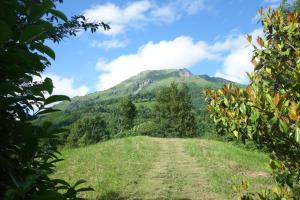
156, 168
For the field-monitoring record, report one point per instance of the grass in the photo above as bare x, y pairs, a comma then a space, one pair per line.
157, 168
227, 165
109, 167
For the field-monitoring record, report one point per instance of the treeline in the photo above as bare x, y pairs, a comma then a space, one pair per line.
168, 113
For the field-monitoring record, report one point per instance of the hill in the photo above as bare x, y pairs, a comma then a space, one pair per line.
142, 90
148, 82
159, 168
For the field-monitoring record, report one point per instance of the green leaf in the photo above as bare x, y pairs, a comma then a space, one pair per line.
283, 126
47, 111
5, 33
58, 14
48, 85
87, 189
275, 164
81, 181
293, 111
11, 194
44, 49
236, 134
30, 182
37, 10
243, 108
31, 32
297, 135
56, 98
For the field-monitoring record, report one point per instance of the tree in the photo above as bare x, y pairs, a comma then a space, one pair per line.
267, 111
174, 113
88, 130
126, 112
25, 163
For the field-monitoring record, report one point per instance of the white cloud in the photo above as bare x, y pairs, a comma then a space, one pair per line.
182, 52
191, 6
117, 17
109, 44
165, 14
64, 86
238, 61
178, 53
230, 43
139, 13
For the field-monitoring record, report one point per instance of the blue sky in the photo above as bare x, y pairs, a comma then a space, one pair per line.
205, 36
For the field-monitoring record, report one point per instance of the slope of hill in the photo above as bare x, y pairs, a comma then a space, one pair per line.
142, 90
160, 168
149, 82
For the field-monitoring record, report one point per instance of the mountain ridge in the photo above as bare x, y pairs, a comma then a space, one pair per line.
148, 77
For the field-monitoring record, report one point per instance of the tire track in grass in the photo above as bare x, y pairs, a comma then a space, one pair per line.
174, 175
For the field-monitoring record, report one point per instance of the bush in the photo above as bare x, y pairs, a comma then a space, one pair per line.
146, 128
26, 161
87, 130
267, 111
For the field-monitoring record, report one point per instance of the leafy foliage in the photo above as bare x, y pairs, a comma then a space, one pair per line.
142, 90
174, 113
267, 111
25, 161
125, 113
88, 130
146, 128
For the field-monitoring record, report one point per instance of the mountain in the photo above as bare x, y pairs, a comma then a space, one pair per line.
142, 89
149, 82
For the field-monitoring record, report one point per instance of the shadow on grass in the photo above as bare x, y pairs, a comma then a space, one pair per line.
111, 196
117, 196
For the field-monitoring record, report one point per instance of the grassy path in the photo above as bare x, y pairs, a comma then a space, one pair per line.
174, 175
159, 168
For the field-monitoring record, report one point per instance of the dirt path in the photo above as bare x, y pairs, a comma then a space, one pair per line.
174, 175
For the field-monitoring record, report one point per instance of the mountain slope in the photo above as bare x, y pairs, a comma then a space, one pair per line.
142, 88
149, 82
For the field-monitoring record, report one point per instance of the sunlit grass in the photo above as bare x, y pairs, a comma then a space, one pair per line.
145, 167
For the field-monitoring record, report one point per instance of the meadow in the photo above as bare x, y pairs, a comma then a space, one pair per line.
163, 168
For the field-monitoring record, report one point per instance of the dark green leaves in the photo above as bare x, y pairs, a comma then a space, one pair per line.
5, 33
174, 112
47, 85
58, 14
31, 32
56, 98
28, 149
44, 49
36, 10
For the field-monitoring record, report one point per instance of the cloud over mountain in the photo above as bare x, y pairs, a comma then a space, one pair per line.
182, 52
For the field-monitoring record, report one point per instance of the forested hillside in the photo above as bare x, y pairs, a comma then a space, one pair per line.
142, 90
